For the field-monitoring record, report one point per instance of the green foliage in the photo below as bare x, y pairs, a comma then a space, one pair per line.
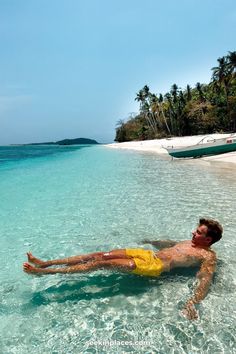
203, 109
134, 129
76, 141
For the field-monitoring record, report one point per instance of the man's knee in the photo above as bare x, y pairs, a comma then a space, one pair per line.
107, 255
114, 254
102, 256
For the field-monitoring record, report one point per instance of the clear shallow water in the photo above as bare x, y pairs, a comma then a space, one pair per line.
94, 198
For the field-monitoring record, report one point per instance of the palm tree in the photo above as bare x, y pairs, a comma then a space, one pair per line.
174, 93
200, 92
232, 68
232, 62
150, 98
222, 76
161, 101
171, 112
176, 108
154, 107
142, 97
189, 94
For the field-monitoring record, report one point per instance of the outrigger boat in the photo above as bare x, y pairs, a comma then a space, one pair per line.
205, 147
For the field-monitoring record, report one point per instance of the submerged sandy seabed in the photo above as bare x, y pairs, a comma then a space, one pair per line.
157, 146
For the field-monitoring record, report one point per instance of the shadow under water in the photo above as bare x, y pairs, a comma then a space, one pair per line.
105, 286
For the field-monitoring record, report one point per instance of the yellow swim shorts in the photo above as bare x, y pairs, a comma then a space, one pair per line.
146, 262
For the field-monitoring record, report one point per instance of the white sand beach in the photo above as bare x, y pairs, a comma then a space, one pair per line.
157, 146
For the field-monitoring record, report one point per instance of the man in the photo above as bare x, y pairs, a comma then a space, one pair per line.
171, 255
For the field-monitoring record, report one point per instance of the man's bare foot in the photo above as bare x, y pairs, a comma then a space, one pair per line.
28, 268
36, 261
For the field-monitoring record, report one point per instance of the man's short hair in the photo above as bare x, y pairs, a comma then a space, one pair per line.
214, 229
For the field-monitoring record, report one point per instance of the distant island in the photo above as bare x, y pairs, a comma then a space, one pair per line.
77, 141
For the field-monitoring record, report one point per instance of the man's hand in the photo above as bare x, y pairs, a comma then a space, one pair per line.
189, 311
145, 241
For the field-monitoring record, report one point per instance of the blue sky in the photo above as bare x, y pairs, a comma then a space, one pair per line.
72, 68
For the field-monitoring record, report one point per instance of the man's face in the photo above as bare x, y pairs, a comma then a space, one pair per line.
200, 238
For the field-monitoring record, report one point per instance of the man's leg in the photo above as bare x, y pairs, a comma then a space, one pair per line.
124, 265
97, 256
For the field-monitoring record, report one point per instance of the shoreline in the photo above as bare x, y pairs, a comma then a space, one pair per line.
157, 146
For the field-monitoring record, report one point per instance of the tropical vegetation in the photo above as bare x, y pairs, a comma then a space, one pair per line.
203, 109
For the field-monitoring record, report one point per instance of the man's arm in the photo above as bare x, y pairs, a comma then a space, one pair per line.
204, 276
160, 244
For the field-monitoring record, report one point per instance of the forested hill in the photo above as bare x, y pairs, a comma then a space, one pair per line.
76, 141
203, 109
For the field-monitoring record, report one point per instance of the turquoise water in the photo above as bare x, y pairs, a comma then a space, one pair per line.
62, 201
